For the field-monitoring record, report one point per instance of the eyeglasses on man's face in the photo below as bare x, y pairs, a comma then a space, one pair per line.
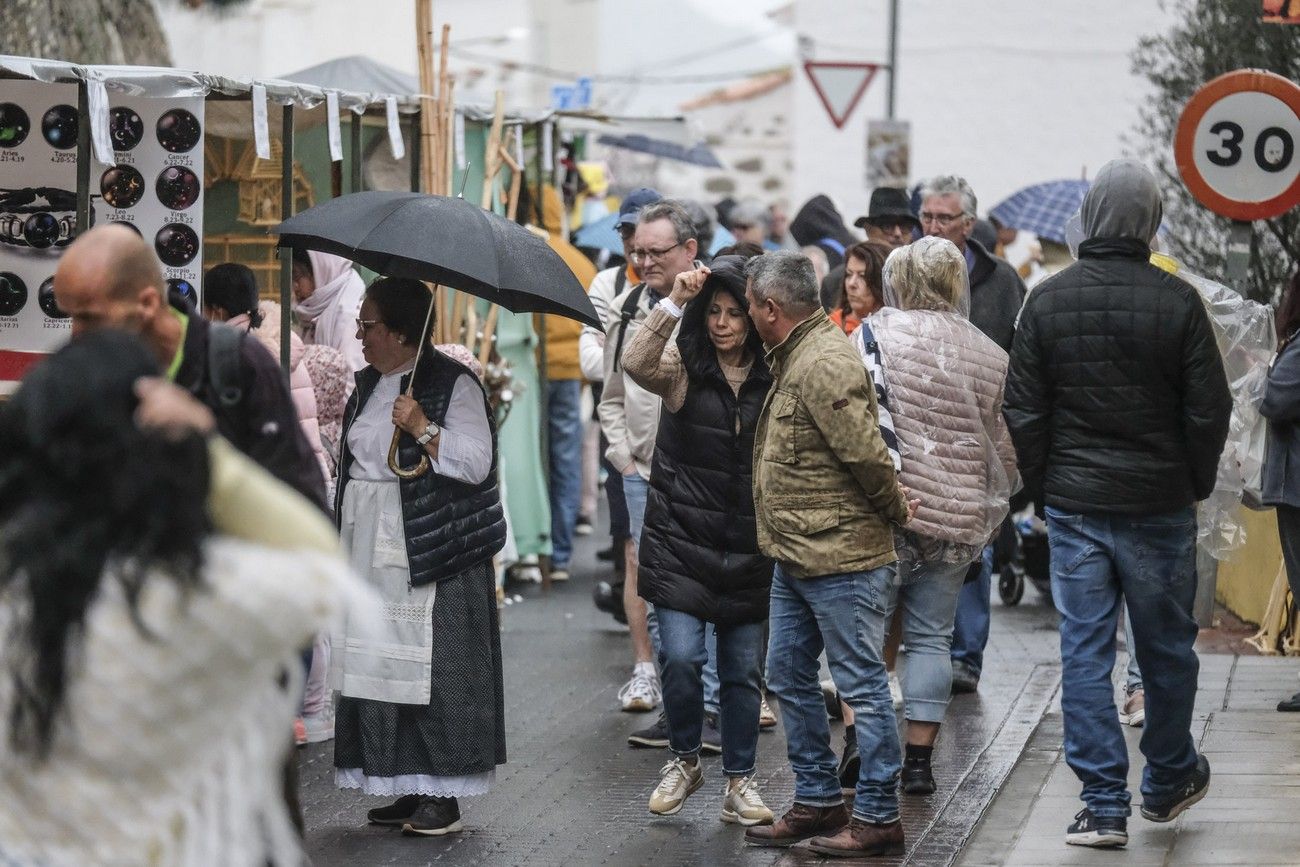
639, 256
943, 221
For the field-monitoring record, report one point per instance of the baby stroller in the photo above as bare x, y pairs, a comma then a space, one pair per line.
1020, 552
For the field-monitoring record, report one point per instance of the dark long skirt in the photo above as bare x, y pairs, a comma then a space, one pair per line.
461, 732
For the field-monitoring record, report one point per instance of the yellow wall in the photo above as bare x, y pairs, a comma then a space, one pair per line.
1245, 580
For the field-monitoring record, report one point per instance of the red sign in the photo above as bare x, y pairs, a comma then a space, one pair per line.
840, 86
1238, 145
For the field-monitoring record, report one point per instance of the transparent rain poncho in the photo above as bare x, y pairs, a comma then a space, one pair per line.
943, 380
1247, 342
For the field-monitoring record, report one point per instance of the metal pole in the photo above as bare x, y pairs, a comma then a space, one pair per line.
83, 159
286, 211
893, 57
413, 152
355, 185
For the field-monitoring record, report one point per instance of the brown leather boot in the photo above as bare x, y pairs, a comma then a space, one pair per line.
800, 823
860, 838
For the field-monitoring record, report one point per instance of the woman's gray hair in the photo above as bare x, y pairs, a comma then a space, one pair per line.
787, 278
751, 212
945, 185
667, 209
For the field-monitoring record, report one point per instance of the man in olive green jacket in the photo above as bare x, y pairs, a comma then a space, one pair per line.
827, 500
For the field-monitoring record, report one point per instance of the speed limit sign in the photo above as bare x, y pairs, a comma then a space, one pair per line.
1238, 145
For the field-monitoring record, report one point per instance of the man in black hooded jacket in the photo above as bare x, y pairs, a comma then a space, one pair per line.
1118, 404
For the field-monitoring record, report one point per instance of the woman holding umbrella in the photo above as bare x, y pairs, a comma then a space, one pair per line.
421, 714
699, 551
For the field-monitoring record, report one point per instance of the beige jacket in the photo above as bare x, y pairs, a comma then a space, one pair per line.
629, 414
825, 493
944, 382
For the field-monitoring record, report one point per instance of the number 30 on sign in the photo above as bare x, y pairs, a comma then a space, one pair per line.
1238, 145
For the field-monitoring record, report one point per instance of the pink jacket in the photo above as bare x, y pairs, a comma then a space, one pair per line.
300, 385
944, 382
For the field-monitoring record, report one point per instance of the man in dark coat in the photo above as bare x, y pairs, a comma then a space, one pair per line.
996, 293
819, 224
1118, 404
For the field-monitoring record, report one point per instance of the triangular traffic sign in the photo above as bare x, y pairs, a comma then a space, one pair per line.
839, 86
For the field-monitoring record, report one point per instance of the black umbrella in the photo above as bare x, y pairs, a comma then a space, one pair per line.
447, 241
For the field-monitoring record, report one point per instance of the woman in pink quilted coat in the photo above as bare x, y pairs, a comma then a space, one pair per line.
943, 381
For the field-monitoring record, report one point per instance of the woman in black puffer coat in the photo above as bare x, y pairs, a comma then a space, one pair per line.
699, 552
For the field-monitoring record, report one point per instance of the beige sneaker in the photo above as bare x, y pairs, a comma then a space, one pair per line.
743, 805
766, 719
895, 691
1135, 709
679, 781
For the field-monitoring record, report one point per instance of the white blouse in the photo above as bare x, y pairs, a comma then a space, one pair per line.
464, 447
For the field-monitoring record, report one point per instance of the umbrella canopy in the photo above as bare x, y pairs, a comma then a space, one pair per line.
601, 235
443, 240
699, 155
1043, 208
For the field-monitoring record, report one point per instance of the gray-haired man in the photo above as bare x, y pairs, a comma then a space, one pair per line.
996, 295
826, 500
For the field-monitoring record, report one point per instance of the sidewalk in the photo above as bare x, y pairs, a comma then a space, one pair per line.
1248, 817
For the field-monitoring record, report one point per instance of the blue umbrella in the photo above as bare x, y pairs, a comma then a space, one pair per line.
1043, 208
699, 155
601, 235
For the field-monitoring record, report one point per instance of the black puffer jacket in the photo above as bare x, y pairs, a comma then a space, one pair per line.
699, 549
1116, 396
449, 525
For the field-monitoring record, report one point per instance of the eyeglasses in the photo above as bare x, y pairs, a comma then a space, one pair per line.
943, 221
364, 324
639, 256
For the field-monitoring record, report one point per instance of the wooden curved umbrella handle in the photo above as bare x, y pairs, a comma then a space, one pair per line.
393, 464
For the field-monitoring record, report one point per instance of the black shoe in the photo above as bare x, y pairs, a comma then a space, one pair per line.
963, 679
1290, 705
607, 554
582, 526
917, 777
1099, 832
654, 735
396, 813
850, 766
436, 816
832, 698
609, 598
1188, 792
710, 736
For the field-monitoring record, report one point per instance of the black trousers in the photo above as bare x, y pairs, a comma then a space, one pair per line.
619, 525
1288, 528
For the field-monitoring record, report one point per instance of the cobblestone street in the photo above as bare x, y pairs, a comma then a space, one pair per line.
574, 792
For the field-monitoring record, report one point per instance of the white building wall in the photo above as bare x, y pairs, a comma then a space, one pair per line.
1004, 92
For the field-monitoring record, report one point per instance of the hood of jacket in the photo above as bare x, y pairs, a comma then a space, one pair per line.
818, 219
1122, 203
728, 274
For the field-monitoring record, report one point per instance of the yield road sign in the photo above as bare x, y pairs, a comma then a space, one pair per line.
840, 86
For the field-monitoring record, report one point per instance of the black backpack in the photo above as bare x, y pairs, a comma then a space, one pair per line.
225, 373
625, 315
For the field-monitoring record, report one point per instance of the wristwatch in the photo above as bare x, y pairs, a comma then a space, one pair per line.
431, 433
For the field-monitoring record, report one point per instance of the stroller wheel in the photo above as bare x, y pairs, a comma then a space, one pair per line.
1011, 586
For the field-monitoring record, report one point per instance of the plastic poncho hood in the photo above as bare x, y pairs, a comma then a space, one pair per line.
1123, 202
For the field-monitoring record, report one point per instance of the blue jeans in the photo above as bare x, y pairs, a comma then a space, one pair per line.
845, 615
681, 664
564, 429
971, 625
928, 597
1100, 562
635, 491
1133, 675
709, 676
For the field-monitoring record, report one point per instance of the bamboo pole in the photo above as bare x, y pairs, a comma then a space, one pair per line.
444, 110
428, 87
492, 159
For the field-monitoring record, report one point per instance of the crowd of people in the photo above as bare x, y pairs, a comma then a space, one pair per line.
811, 442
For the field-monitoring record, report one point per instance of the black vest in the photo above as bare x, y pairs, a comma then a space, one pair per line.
699, 548
449, 525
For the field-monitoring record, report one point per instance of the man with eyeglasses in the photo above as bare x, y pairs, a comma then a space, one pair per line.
608, 285
996, 295
663, 246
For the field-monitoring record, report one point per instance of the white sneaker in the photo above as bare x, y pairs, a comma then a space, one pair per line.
679, 780
319, 727
742, 805
766, 719
895, 691
641, 693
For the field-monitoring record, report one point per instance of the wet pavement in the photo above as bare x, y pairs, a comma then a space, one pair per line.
574, 792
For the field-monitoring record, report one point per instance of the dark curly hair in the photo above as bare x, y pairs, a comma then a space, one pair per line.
85, 497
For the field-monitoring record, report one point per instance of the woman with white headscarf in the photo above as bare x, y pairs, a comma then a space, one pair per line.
942, 381
328, 295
